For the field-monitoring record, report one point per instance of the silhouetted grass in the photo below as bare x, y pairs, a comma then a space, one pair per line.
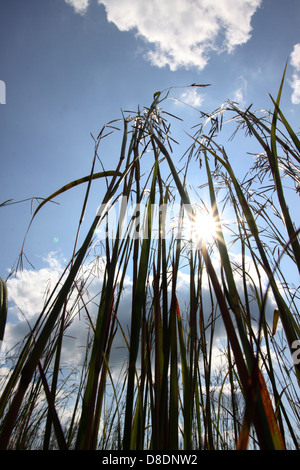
175, 391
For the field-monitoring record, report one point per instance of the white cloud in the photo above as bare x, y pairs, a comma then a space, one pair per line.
80, 6
295, 57
239, 93
27, 290
238, 96
184, 32
295, 84
192, 97
296, 89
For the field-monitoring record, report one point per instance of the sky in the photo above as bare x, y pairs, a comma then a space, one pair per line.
67, 67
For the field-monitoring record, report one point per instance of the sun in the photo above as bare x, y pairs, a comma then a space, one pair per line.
203, 228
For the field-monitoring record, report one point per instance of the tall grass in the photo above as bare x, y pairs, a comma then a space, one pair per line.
215, 372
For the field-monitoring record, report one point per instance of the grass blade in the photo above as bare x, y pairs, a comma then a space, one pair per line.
138, 303
3, 307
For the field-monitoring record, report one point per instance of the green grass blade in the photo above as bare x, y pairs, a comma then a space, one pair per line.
291, 329
52, 410
225, 262
73, 184
287, 126
174, 389
218, 291
273, 158
40, 343
138, 303
187, 405
3, 307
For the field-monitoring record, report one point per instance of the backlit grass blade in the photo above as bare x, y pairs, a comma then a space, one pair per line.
242, 368
89, 418
138, 303
187, 404
52, 410
73, 184
277, 178
291, 329
158, 332
225, 261
288, 127
3, 307
174, 388
251, 222
40, 343
218, 291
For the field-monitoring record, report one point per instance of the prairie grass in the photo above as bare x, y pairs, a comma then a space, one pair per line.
210, 369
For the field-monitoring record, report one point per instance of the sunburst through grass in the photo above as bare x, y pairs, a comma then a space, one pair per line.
171, 396
198, 226
203, 228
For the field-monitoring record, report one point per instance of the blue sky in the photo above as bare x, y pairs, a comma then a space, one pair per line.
70, 66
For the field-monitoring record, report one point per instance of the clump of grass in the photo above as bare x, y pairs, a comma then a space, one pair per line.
172, 394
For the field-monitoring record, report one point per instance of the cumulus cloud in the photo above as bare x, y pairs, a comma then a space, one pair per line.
182, 33
80, 6
295, 84
28, 291
29, 288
